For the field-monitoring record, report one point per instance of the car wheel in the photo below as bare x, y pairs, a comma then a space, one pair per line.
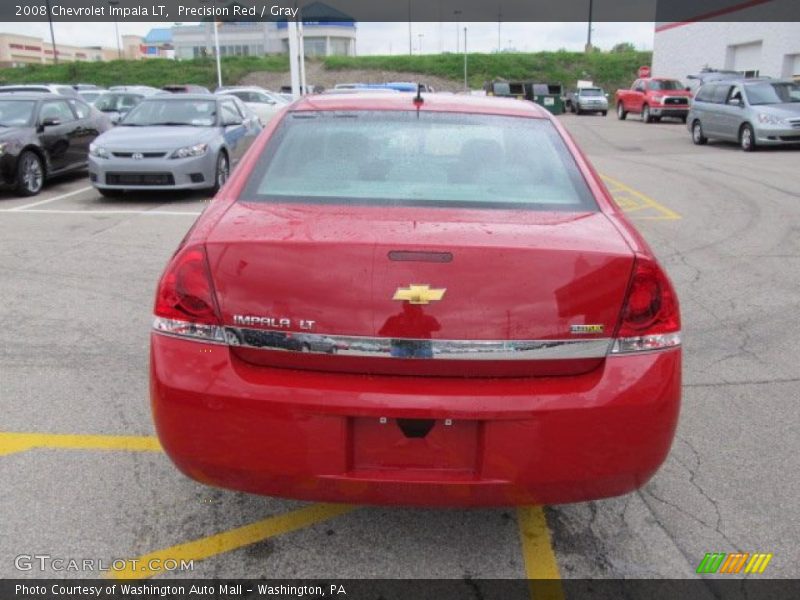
604, 112
646, 116
579, 110
110, 193
697, 134
30, 174
683, 119
621, 112
221, 173
747, 139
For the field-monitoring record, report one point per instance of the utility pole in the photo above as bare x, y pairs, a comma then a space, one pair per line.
217, 53
499, 19
466, 87
589, 34
52, 35
458, 39
410, 44
116, 29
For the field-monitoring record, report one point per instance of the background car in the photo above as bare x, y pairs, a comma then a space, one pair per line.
589, 100
43, 135
117, 104
90, 96
263, 103
185, 88
46, 88
172, 142
654, 98
752, 112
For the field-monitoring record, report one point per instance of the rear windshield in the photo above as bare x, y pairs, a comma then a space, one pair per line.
405, 158
591, 92
665, 84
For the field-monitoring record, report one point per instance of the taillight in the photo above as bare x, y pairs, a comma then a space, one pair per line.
650, 316
185, 303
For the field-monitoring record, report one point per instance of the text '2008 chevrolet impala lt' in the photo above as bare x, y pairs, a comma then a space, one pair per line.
416, 300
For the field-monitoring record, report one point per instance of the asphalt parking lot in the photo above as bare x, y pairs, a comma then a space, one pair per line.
83, 477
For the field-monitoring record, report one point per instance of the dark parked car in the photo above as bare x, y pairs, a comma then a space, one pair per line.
188, 88
42, 135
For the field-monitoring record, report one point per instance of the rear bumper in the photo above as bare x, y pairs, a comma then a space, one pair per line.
318, 436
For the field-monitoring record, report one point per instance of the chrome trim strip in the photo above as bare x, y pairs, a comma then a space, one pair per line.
345, 345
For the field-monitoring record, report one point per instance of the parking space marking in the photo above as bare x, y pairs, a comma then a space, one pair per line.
53, 199
541, 566
631, 200
233, 539
48, 211
13, 442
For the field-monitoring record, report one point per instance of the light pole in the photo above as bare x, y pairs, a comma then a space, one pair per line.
116, 29
410, 44
589, 34
458, 43
420, 35
466, 87
52, 35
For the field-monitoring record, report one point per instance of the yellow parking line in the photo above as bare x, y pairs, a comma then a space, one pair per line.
644, 200
200, 549
541, 566
11, 442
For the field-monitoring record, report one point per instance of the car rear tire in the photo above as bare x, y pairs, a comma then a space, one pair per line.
646, 116
30, 174
621, 112
221, 173
604, 113
683, 119
110, 193
747, 138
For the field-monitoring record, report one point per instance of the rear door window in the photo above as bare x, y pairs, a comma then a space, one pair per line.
419, 159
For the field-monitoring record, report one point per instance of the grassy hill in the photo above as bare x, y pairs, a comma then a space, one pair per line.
155, 72
610, 70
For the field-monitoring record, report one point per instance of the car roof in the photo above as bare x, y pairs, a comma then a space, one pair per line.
190, 96
32, 96
746, 81
431, 102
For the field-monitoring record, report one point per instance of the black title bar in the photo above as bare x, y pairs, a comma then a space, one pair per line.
401, 10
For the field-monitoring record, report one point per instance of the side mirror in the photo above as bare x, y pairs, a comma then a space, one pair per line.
232, 122
735, 102
51, 122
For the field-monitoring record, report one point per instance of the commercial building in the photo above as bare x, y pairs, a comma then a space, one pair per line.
20, 50
743, 44
258, 38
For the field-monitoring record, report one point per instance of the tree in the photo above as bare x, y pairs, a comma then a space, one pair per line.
623, 47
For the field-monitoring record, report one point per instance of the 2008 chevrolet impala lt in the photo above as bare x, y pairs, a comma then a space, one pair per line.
416, 300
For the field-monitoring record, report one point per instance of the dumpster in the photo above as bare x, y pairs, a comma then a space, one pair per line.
549, 95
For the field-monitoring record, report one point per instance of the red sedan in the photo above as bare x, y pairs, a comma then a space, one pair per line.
424, 302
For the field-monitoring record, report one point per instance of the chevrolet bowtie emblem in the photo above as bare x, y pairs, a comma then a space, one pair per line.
419, 294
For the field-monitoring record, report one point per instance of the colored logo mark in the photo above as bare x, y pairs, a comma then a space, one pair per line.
737, 562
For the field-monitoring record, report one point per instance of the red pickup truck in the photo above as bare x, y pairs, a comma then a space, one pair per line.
653, 98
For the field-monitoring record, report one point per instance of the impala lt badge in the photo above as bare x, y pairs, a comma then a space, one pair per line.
272, 322
586, 329
419, 293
